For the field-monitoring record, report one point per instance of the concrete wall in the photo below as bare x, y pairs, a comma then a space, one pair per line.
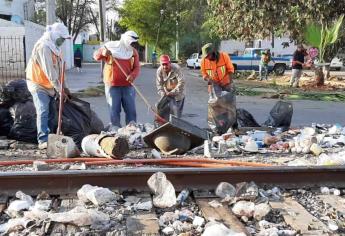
16, 7
88, 51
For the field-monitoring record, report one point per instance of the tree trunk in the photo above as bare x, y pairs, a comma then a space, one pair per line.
326, 70
319, 76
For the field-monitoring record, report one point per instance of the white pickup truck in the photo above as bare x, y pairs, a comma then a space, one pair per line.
250, 60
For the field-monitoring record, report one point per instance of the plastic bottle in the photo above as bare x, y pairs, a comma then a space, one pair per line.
182, 197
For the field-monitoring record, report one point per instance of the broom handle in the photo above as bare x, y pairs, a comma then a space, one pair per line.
62, 80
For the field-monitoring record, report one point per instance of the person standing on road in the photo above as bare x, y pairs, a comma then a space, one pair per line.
297, 66
120, 55
78, 57
170, 85
43, 73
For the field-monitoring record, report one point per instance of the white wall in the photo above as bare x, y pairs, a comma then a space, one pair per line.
88, 51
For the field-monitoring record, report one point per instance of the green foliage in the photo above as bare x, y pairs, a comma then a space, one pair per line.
321, 36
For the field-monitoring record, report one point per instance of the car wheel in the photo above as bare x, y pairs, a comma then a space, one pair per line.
279, 69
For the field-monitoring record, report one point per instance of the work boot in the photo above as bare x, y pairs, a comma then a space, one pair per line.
42, 146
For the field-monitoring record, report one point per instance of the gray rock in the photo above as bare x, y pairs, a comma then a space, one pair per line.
163, 190
225, 189
96, 195
168, 231
40, 166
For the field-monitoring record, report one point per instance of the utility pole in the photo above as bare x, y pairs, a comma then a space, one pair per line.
101, 28
51, 15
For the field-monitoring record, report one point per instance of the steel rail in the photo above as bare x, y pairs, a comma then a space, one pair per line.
67, 182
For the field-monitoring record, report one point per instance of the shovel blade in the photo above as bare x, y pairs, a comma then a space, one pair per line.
60, 146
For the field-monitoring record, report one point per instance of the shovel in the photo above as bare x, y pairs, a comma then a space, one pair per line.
60, 146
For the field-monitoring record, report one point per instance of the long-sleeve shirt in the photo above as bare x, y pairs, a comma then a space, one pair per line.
112, 74
172, 82
43, 55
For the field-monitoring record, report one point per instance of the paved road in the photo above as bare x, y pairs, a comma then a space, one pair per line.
195, 111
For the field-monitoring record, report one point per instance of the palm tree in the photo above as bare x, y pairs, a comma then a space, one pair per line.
322, 36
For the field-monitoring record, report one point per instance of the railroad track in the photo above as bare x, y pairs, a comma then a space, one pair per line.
293, 214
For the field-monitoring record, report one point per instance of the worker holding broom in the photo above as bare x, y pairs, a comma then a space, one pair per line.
43, 72
121, 69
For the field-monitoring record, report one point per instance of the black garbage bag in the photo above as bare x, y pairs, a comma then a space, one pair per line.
76, 119
14, 91
97, 125
280, 115
19, 90
6, 121
24, 125
222, 111
245, 119
163, 107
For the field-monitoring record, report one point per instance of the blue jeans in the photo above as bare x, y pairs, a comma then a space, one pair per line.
45, 113
121, 96
263, 70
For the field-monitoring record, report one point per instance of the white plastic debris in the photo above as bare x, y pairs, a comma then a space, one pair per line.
156, 154
15, 224
325, 190
167, 217
96, 195
147, 206
225, 189
315, 149
335, 191
261, 210
333, 226
168, 231
215, 204
198, 221
22, 196
244, 208
36, 214
163, 190
214, 228
251, 146
16, 206
43, 205
269, 232
81, 216
207, 149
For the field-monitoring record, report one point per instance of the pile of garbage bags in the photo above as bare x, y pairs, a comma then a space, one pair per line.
18, 115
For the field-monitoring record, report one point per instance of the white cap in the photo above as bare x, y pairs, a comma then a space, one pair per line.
58, 30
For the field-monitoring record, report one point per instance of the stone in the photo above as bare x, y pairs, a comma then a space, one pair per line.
16, 206
147, 206
163, 190
215, 204
219, 229
4, 144
96, 195
43, 205
80, 166
167, 217
269, 232
185, 215
168, 231
40, 166
316, 149
244, 208
14, 224
333, 226
132, 200
81, 216
225, 189
325, 190
261, 210
198, 221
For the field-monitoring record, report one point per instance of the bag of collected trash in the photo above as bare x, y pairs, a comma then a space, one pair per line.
14, 91
280, 115
24, 126
76, 119
6, 121
163, 107
97, 125
221, 110
245, 119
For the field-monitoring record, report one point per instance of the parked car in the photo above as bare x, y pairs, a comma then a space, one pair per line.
194, 61
251, 57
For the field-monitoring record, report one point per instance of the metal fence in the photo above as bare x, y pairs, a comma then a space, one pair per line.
12, 58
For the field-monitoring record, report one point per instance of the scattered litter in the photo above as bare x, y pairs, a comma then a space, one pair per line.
163, 190
97, 195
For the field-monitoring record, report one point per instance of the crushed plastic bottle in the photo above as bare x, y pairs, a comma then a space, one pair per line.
182, 197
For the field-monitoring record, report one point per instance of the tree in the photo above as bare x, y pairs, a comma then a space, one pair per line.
250, 19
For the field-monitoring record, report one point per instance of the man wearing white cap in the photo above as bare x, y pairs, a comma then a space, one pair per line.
121, 69
43, 73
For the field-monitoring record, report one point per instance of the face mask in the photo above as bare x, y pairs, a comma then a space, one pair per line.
59, 41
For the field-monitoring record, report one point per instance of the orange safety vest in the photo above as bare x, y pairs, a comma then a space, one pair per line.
217, 69
39, 77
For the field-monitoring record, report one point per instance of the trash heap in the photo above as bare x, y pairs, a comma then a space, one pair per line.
323, 141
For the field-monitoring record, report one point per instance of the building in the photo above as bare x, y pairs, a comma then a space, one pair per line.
18, 37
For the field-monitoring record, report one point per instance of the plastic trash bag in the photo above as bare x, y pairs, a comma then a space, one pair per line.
163, 107
280, 115
24, 126
76, 119
97, 125
221, 110
14, 91
6, 121
245, 119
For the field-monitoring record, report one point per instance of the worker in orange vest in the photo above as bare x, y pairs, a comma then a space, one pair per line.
43, 73
217, 69
121, 68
